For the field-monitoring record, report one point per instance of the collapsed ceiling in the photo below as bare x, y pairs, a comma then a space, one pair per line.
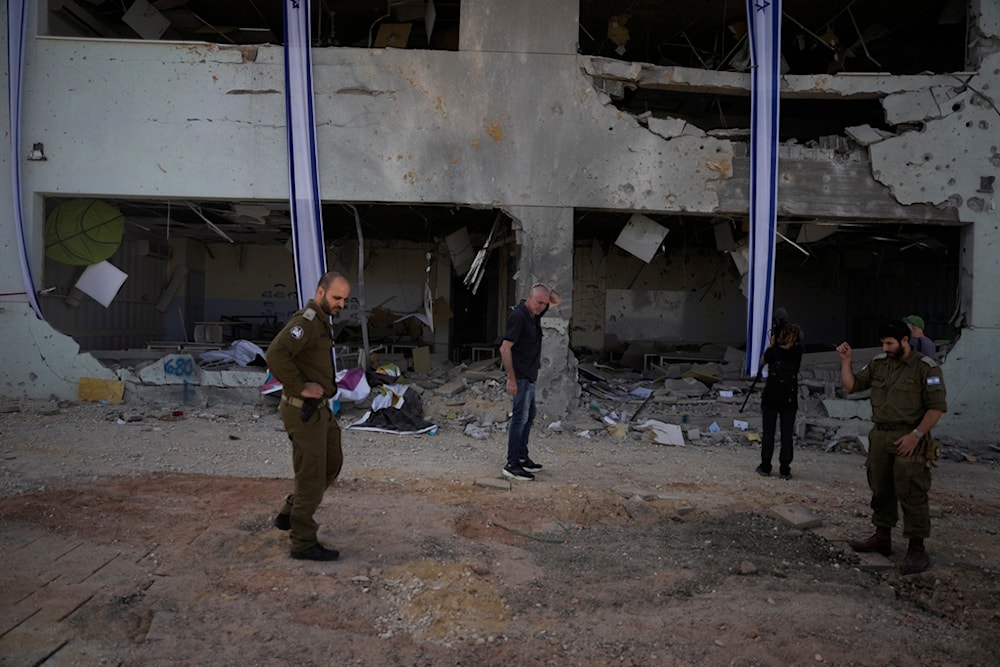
335, 22
896, 36
269, 223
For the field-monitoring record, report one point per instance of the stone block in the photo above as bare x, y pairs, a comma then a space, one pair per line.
451, 387
847, 409
872, 561
798, 515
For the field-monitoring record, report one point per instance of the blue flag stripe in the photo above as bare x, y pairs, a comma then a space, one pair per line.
764, 19
16, 11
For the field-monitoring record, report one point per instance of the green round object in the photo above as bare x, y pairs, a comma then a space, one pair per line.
82, 232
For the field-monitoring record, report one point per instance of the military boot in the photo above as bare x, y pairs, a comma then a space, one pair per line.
881, 542
917, 559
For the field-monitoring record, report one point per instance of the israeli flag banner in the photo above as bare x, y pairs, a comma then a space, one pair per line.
764, 19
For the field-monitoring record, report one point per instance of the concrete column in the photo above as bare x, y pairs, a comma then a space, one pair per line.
545, 238
973, 365
984, 31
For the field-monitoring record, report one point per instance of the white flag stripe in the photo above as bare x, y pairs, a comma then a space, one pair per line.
308, 245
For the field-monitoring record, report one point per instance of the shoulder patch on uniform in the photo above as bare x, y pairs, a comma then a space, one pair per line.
297, 332
309, 314
933, 380
930, 362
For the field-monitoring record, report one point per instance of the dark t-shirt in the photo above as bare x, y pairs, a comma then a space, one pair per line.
782, 387
924, 346
524, 330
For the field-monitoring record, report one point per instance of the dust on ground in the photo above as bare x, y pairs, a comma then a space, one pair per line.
148, 540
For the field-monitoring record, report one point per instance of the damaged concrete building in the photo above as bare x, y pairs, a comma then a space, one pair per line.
469, 148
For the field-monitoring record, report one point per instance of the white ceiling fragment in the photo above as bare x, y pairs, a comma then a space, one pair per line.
642, 237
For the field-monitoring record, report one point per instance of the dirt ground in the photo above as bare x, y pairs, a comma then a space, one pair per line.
133, 536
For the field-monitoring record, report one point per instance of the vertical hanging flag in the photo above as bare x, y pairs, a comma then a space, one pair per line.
15, 67
764, 19
308, 245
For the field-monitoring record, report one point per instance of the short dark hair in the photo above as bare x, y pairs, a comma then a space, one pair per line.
327, 279
894, 329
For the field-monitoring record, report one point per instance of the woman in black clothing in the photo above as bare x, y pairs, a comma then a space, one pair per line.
780, 398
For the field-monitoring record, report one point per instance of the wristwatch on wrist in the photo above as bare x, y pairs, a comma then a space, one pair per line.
917, 433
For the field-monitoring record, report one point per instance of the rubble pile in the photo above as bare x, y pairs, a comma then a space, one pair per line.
699, 402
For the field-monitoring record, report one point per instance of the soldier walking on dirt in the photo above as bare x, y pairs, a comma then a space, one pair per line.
301, 358
908, 399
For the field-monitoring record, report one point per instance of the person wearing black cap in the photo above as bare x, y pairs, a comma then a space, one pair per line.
908, 398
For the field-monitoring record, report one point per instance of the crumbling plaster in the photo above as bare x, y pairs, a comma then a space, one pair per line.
40, 362
943, 163
947, 163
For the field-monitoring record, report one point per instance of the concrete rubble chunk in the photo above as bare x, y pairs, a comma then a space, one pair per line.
798, 515
475, 432
847, 409
866, 135
451, 387
871, 561
639, 509
685, 386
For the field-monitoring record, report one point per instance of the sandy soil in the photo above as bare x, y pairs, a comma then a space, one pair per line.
132, 536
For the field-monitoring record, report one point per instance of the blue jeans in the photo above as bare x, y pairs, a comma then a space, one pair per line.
520, 423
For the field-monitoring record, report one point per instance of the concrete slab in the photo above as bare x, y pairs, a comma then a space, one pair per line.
872, 561
493, 483
798, 515
451, 387
848, 409
639, 510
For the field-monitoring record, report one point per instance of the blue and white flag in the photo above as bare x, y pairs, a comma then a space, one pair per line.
764, 19
303, 164
16, 10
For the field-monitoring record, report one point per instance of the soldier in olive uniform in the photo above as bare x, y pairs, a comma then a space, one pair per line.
908, 399
301, 358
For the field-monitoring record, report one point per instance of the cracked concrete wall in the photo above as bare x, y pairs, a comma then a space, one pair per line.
393, 126
955, 160
545, 237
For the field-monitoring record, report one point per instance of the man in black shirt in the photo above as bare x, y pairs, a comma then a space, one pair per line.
521, 353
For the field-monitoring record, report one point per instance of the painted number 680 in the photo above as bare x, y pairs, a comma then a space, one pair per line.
179, 366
